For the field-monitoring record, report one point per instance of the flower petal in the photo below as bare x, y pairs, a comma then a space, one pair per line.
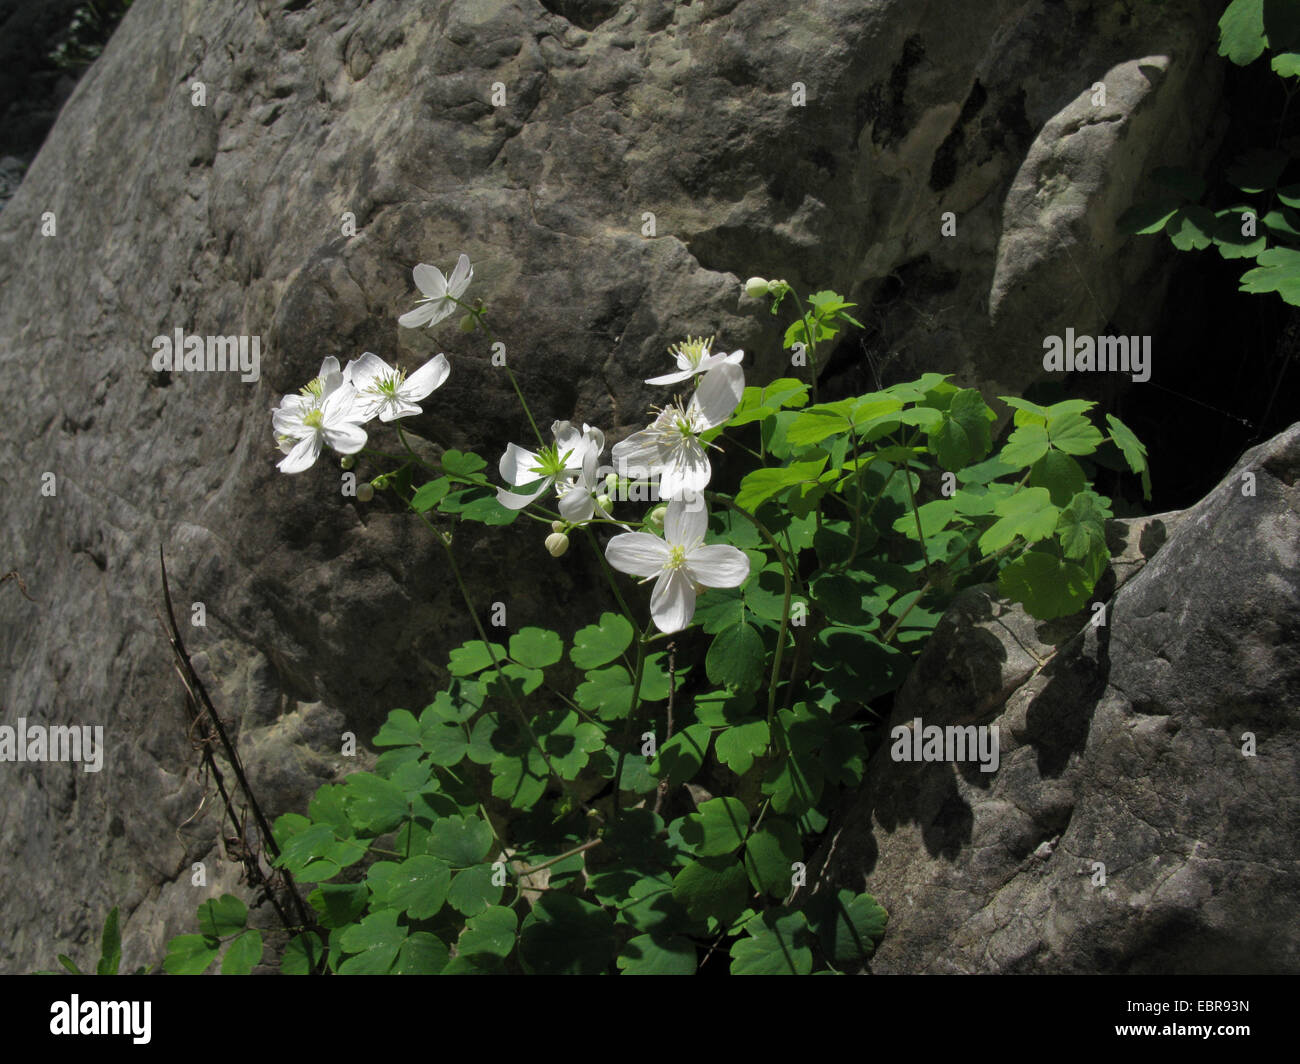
517, 465
686, 472
303, 456
637, 553
672, 604
430, 281
460, 276
513, 500
413, 319
686, 521
368, 368
718, 565
346, 437
425, 379
719, 393
672, 378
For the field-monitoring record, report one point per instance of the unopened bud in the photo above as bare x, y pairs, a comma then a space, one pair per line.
611, 483
657, 515
467, 323
347, 461
557, 526
365, 492
603, 502
757, 288
557, 543
380, 482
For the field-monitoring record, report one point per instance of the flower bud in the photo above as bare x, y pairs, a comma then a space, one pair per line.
756, 288
347, 461
611, 483
365, 492
603, 502
380, 482
557, 526
467, 323
657, 515
557, 543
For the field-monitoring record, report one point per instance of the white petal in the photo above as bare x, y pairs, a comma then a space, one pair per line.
413, 319
672, 604
367, 368
686, 521
517, 465
303, 456
671, 378
425, 379
346, 437
440, 309
686, 472
637, 553
430, 281
718, 565
329, 367
637, 456
577, 505
513, 500
719, 393
395, 408
460, 276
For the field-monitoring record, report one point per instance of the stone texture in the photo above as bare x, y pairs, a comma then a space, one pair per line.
1120, 744
226, 219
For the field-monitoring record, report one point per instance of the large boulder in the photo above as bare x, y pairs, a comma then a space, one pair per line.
1145, 815
613, 170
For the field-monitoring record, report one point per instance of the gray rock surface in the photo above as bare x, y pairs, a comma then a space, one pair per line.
1121, 746
227, 219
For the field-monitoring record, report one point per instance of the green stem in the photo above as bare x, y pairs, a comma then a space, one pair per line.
631, 720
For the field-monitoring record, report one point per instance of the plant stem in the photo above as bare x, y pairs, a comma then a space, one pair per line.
631, 720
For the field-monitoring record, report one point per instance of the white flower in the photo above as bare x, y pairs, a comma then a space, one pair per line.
316, 389
440, 293
536, 471
390, 393
694, 356
581, 496
670, 448
682, 562
304, 423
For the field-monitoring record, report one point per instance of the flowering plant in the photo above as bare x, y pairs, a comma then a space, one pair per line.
650, 792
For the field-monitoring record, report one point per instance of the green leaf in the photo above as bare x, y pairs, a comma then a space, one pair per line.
110, 946
190, 954
70, 964
421, 954
769, 854
600, 643
739, 745
520, 779
416, 886
950, 445
461, 841
1187, 184
1074, 434
714, 887
429, 495
1192, 227
374, 805
815, 424
490, 934
777, 945
243, 954
445, 743
1231, 241
400, 729
473, 657
1081, 527
848, 926
1047, 586
606, 692
536, 648
569, 741
736, 657
302, 954
1025, 446
462, 464
374, 941
682, 756
472, 890
339, 904
1060, 474
1241, 31
1278, 271
718, 828
1290, 195
1145, 218
564, 935
762, 484
1135, 453
454, 706
1029, 513
647, 955
220, 917
1258, 169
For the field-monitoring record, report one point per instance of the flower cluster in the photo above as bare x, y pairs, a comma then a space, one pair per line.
670, 452
332, 408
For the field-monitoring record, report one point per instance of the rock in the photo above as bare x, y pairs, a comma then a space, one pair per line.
1121, 755
613, 170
